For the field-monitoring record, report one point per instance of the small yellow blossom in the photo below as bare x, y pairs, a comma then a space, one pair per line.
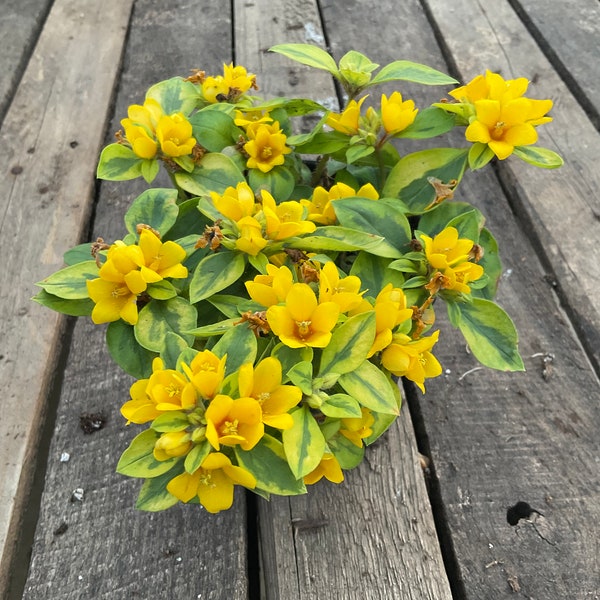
248, 118
397, 114
174, 134
345, 291
233, 422
446, 249
165, 390
263, 383
358, 428
329, 467
172, 444
236, 202
206, 372
271, 288
251, 240
412, 359
347, 121
212, 483
303, 321
164, 259
267, 147
140, 127
320, 209
284, 220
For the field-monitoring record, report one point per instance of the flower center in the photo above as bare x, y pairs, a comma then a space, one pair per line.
206, 479
263, 396
303, 328
119, 291
498, 130
266, 152
172, 390
230, 428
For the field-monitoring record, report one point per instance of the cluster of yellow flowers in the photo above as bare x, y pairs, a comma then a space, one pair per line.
127, 273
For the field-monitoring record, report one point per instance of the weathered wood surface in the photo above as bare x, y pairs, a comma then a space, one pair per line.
20, 24
48, 145
568, 33
495, 439
110, 550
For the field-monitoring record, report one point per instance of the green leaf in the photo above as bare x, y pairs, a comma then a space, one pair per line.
196, 457
156, 207
358, 151
173, 346
479, 155
215, 328
341, 406
158, 318
172, 420
74, 308
70, 283
154, 496
126, 352
289, 357
214, 129
370, 386
313, 56
349, 345
447, 213
240, 345
149, 169
78, 254
405, 70
346, 453
303, 443
539, 157
161, 290
429, 123
301, 375
380, 426
374, 273
409, 179
490, 333
119, 163
175, 95
189, 221
491, 264
279, 182
214, 173
267, 462
339, 238
232, 306
138, 460
323, 142
380, 217
214, 273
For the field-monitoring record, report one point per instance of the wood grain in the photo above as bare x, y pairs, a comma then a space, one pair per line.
47, 147
109, 549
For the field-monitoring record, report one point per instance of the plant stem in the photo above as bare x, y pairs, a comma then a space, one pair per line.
319, 170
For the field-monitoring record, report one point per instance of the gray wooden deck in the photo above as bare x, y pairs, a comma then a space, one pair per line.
69, 69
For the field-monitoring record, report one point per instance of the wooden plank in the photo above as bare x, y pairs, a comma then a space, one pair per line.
568, 33
497, 439
109, 549
558, 207
20, 24
47, 149
372, 536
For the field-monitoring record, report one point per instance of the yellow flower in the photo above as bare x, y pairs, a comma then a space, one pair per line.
230, 86
346, 122
215, 89
302, 321
206, 372
140, 127
357, 428
397, 114
165, 390
267, 148
237, 78
233, 422
455, 279
175, 135
263, 383
284, 220
251, 118
212, 483
319, 206
412, 359
329, 468
236, 202
446, 249
390, 311
251, 240
345, 292
172, 444
164, 259
272, 288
